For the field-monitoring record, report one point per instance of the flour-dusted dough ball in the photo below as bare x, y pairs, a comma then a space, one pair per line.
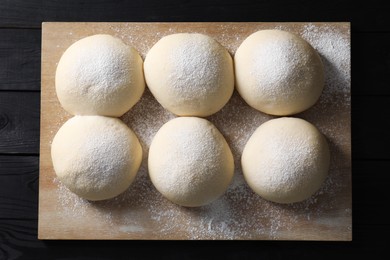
190, 74
286, 160
96, 157
190, 162
99, 75
278, 72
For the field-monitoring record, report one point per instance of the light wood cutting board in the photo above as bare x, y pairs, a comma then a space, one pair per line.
141, 212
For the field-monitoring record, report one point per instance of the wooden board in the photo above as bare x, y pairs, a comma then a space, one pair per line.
141, 212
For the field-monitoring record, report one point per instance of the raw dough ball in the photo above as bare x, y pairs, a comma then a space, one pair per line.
99, 75
278, 72
190, 74
286, 160
190, 162
96, 157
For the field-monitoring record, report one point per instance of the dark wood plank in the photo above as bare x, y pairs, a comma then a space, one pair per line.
18, 173
19, 13
369, 181
18, 206
19, 122
370, 64
20, 56
370, 138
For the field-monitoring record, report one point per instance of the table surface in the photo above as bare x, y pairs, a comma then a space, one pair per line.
20, 59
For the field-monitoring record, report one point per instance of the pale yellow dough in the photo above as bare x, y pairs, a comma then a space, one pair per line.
190, 74
96, 157
278, 72
190, 162
286, 160
99, 75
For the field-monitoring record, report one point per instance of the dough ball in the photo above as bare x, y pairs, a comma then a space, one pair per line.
190, 74
278, 72
190, 162
286, 160
99, 75
96, 157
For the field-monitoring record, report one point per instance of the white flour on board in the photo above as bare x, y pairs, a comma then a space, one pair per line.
239, 213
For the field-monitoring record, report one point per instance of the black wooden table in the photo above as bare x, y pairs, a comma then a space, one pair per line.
20, 39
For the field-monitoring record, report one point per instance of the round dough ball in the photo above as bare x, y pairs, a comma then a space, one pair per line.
190, 162
96, 157
286, 160
99, 75
278, 73
190, 74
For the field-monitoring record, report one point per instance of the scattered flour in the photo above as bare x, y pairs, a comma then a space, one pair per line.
334, 49
239, 213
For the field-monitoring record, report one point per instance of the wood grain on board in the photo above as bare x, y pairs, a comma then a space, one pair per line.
141, 213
